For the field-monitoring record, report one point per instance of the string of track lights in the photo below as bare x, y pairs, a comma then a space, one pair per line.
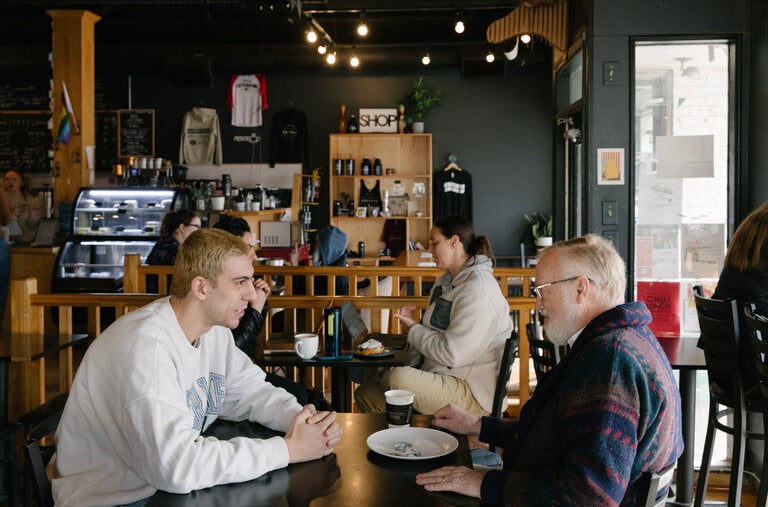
327, 48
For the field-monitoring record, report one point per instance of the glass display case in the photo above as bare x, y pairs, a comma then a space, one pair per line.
108, 223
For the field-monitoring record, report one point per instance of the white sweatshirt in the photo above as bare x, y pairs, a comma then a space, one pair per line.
200, 137
142, 396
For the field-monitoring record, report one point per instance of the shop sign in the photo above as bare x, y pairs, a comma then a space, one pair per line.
378, 120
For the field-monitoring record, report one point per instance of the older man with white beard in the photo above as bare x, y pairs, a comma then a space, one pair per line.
607, 413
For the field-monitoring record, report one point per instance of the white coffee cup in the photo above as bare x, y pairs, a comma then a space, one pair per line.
305, 345
399, 407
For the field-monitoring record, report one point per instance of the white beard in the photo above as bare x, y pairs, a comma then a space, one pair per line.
561, 330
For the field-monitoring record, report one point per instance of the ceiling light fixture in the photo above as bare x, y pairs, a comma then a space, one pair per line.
362, 28
354, 61
425, 60
311, 35
525, 38
331, 58
512, 53
490, 57
459, 26
322, 48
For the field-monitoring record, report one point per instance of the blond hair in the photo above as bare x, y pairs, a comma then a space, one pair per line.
596, 258
745, 251
203, 254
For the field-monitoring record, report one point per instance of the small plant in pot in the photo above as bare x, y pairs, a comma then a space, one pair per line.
200, 191
418, 102
541, 229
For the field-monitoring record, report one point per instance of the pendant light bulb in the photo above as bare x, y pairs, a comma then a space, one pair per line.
331, 58
459, 26
490, 57
425, 60
311, 36
322, 49
362, 28
354, 61
525, 38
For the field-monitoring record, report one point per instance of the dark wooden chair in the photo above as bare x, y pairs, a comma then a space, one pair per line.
758, 325
507, 360
544, 353
654, 487
36, 458
719, 326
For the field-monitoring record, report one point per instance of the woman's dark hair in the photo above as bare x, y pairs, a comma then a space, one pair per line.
233, 225
173, 219
461, 227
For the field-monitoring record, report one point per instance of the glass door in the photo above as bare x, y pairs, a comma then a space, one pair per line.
683, 112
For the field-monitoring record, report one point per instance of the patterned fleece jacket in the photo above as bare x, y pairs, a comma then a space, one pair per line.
607, 413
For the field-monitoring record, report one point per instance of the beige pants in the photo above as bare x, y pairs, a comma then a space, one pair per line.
433, 391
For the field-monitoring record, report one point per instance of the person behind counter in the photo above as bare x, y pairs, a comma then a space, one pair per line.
159, 376
26, 208
176, 227
456, 349
609, 411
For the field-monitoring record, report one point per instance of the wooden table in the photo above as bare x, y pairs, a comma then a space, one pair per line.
353, 475
687, 358
341, 395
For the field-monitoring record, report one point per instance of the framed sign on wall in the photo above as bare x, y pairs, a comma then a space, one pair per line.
378, 120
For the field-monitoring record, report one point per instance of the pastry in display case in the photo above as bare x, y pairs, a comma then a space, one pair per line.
107, 224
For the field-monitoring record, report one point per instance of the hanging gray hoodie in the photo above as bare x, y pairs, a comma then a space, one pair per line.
463, 330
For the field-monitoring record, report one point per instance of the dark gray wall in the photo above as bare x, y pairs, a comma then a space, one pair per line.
499, 128
613, 24
758, 106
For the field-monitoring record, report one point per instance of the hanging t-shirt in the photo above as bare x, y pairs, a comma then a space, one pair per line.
288, 141
370, 196
247, 97
200, 137
453, 194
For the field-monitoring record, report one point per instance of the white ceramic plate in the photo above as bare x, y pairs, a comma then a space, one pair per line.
431, 443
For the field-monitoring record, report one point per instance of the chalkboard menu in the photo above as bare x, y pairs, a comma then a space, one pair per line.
25, 142
28, 97
136, 132
106, 140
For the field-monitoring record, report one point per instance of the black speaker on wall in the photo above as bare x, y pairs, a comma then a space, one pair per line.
189, 69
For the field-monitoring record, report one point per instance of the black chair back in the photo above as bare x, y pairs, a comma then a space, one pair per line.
36, 458
544, 353
507, 360
758, 326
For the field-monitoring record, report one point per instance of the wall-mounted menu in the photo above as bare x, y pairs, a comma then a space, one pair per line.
25, 142
106, 140
136, 132
27, 97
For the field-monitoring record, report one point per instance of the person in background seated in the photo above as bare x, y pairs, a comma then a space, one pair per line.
5, 254
331, 250
745, 278
158, 377
26, 208
456, 349
609, 411
253, 320
176, 227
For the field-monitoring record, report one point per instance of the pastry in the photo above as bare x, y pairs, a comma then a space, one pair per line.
370, 347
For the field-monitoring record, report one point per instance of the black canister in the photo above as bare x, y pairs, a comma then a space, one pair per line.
377, 167
336, 208
226, 183
365, 167
332, 318
350, 166
338, 166
361, 249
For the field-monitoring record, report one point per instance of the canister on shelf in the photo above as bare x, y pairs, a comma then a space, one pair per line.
361, 249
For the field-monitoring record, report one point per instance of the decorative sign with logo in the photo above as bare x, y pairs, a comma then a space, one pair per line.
378, 120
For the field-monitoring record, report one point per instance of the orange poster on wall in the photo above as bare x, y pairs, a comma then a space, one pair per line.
663, 301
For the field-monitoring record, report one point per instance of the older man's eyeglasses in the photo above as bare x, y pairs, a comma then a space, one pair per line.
538, 288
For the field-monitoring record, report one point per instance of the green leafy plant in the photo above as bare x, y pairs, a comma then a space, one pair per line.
200, 190
420, 100
541, 226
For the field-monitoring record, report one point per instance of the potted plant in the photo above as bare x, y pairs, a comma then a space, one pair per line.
418, 102
200, 191
541, 229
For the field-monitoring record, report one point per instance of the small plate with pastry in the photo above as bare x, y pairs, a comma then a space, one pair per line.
372, 349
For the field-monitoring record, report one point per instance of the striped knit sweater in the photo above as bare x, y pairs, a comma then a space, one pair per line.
607, 413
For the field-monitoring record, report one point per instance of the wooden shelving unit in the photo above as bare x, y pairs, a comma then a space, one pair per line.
410, 155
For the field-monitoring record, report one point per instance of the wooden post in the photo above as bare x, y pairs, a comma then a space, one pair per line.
27, 378
131, 263
73, 64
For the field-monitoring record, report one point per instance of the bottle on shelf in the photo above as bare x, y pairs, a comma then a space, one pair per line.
377, 167
352, 127
342, 119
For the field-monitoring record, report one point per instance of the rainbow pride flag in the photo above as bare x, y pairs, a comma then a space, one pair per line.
65, 117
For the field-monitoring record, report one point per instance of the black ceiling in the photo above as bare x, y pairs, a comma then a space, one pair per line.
400, 30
